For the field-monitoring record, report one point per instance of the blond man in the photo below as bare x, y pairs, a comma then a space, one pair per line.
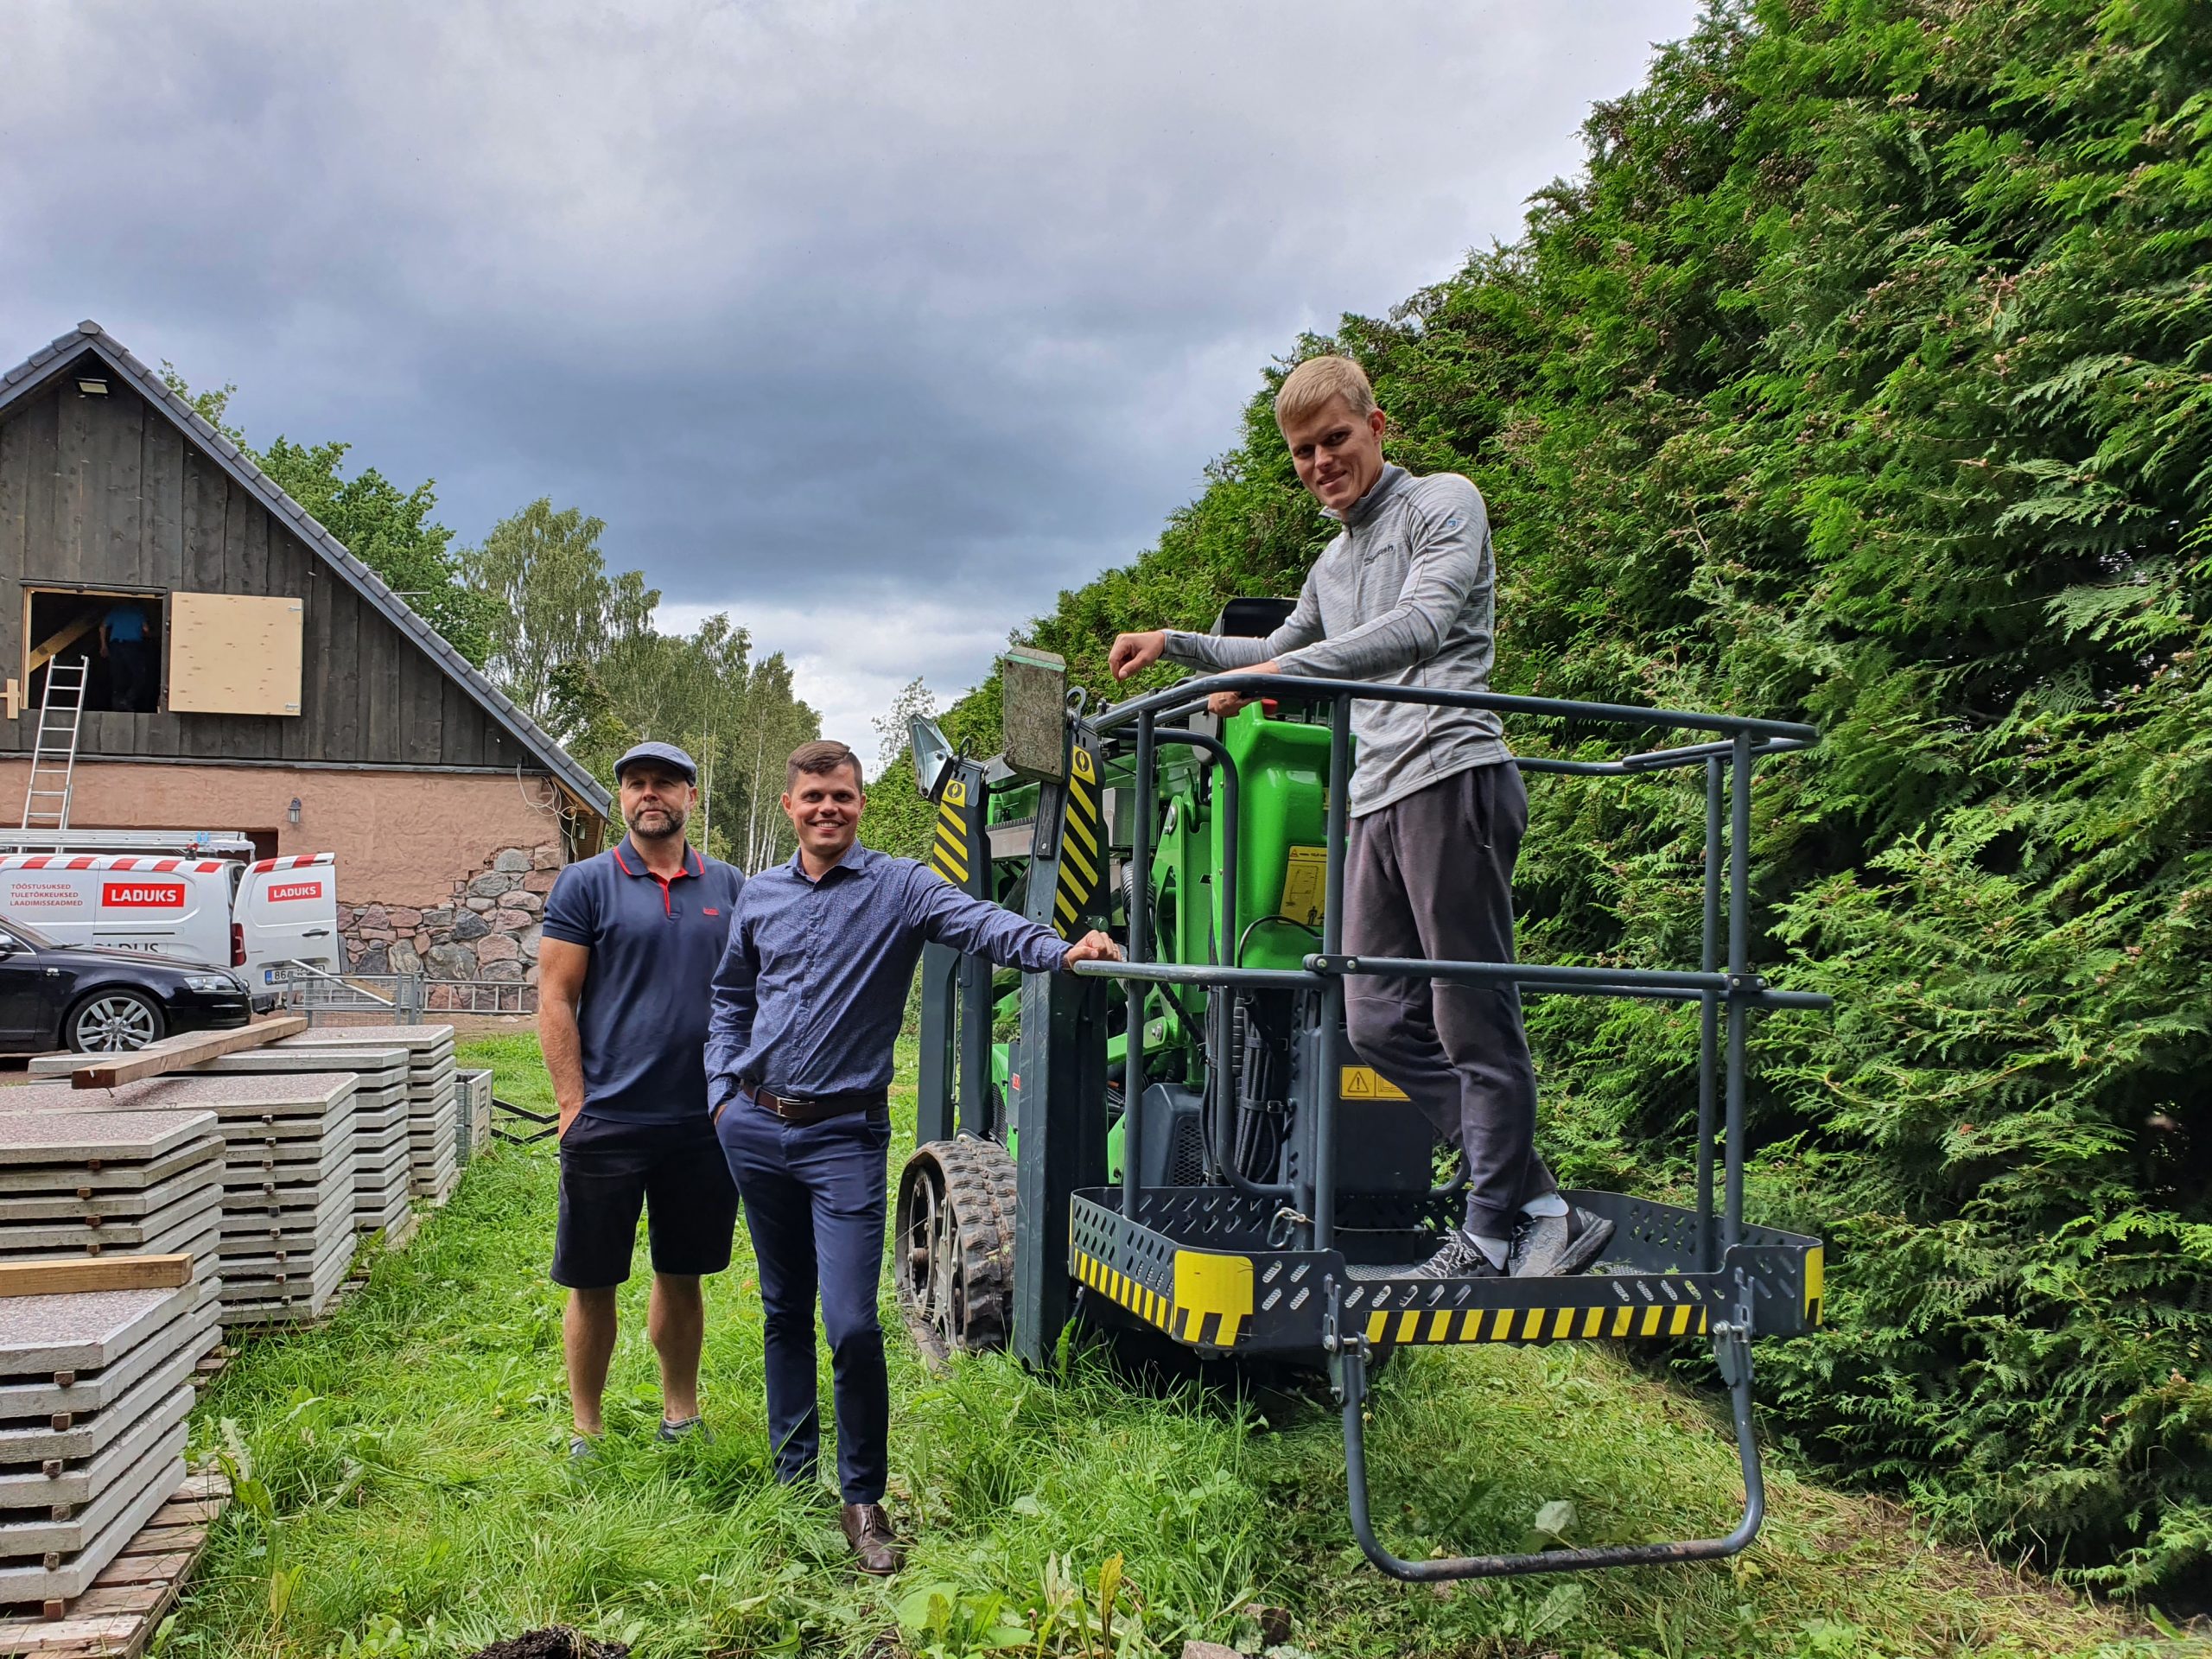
1404, 595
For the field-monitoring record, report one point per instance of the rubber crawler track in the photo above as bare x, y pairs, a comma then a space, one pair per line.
977, 1179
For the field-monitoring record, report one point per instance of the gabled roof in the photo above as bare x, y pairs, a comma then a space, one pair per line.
51, 362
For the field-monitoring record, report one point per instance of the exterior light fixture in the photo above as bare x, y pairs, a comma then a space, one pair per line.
292, 812
92, 388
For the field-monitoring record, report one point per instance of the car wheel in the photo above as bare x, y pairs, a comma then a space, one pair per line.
107, 1021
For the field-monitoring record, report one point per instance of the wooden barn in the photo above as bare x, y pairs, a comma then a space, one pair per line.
240, 670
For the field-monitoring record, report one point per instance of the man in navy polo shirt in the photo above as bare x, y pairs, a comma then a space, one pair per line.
632, 939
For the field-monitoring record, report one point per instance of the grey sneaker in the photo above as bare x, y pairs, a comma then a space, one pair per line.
1460, 1257
1551, 1247
669, 1434
582, 1449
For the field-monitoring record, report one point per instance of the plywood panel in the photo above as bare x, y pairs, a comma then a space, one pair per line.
234, 654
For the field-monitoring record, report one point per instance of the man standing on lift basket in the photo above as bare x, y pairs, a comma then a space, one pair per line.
807, 1005
1403, 596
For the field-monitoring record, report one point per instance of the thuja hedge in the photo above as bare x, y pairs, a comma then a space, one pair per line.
1864, 376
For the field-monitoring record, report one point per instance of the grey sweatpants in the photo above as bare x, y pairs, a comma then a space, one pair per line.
1432, 875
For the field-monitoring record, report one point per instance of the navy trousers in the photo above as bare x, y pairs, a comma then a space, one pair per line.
814, 1203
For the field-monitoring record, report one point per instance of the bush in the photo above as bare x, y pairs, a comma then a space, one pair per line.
1865, 377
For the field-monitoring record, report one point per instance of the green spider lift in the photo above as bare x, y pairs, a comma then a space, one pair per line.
1184, 1147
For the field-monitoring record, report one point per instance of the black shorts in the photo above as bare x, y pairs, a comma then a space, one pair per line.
610, 1169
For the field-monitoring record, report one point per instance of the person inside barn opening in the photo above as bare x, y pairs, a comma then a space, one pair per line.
631, 938
1403, 595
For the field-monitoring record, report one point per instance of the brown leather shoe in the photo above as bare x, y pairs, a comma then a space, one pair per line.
868, 1529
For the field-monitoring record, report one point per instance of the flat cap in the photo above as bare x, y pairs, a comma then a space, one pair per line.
667, 754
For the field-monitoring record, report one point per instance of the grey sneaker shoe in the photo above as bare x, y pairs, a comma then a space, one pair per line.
582, 1449
1459, 1258
1551, 1247
668, 1433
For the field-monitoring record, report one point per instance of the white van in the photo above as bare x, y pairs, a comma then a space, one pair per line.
252, 918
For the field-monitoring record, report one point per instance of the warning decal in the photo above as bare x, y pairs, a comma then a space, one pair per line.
1365, 1082
1305, 886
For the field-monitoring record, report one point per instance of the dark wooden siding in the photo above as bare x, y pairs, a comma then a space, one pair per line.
107, 492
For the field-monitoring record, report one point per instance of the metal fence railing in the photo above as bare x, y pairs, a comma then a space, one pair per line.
403, 999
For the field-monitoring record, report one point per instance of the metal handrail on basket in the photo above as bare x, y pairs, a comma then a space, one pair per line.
1727, 761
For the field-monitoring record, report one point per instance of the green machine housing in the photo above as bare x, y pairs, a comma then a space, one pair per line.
1184, 1148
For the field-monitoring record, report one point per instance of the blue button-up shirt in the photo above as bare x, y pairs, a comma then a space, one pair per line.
811, 993
653, 944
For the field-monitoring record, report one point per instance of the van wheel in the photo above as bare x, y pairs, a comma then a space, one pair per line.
109, 1021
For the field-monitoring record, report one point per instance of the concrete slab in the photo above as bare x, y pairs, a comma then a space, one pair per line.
283, 1092
90, 1133
83, 1480
66, 1238
41, 1335
72, 1577
86, 1437
26, 1535
104, 1175
190, 1329
66, 1205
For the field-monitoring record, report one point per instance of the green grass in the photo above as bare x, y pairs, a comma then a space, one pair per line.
409, 1496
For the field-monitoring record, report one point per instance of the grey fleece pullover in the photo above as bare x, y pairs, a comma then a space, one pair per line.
1402, 595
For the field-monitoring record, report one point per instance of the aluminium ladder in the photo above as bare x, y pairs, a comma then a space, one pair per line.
54, 756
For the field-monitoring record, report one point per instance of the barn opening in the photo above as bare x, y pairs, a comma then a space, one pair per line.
116, 635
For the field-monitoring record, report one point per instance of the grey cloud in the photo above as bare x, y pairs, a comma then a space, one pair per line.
941, 305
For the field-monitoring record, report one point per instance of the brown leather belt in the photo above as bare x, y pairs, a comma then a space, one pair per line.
820, 1106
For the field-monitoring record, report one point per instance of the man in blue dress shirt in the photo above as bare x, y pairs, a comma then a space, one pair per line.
807, 1004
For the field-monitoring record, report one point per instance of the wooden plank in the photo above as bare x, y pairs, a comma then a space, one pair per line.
116, 507
464, 726
67, 1276
54, 644
71, 435
206, 503
378, 669
118, 1615
160, 544
14, 517
340, 674
234, 653
179, 1053
422, 687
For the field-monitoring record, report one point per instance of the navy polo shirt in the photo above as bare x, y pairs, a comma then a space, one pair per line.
654, 947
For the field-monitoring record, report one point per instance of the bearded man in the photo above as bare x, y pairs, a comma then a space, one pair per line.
626, 968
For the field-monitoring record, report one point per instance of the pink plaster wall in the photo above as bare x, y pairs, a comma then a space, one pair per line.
401, 838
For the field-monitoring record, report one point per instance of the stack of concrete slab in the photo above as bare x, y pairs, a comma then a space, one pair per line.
95, 1387
474, 1088
79, 1181
287, 1225
381, 1151
433, 1106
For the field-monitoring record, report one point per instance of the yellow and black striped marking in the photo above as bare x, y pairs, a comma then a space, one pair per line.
1393, 1327
1212, 1302
948, 857
1082, 855
1814, 1272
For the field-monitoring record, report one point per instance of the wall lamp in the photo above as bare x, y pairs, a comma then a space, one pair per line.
92, 388
292, 812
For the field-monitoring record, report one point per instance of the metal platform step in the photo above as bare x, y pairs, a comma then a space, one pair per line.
1207, 1266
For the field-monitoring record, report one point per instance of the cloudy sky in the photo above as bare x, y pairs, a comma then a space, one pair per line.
871, 324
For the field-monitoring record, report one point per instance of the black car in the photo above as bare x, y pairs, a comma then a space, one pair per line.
82, 997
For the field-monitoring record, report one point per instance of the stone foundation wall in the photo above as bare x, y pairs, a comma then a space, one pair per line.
487, 930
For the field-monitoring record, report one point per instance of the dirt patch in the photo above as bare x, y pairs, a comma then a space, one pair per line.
554, 1642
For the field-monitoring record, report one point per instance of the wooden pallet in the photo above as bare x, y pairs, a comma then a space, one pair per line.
126, 1604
